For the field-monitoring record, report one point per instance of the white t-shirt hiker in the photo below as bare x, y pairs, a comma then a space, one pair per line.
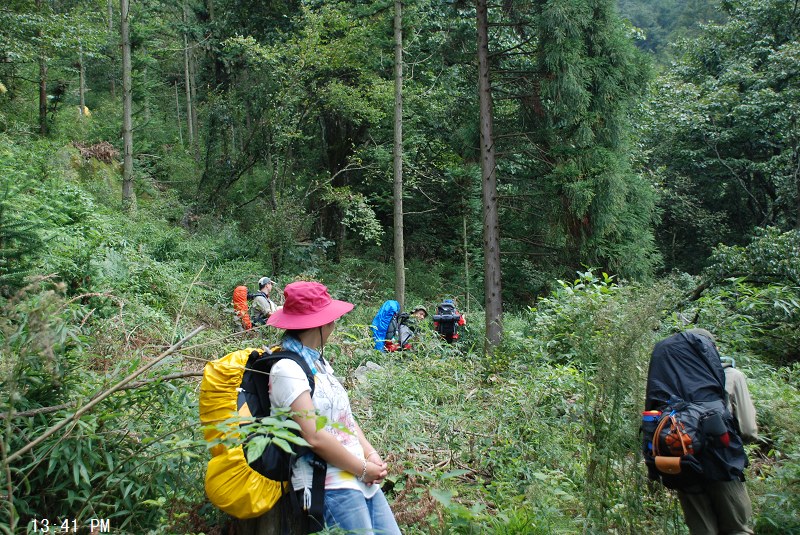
353, 501
287, 381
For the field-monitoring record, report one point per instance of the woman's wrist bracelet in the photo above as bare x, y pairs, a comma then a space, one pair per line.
373, 452
363, 471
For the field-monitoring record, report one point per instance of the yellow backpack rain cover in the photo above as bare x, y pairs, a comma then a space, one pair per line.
231, 484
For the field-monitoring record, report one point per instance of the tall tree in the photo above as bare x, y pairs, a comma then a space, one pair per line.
40, 6
399, 247
128, 195
81, 82
187, 78
571, 78
491, 228
591, 79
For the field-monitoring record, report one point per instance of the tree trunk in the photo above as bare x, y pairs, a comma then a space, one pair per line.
187, 79
128, 195
111, 38
466, 254
796, 162
43, 96
193, 100
399, 249
82, 82
42, 81
491, 228
178, 112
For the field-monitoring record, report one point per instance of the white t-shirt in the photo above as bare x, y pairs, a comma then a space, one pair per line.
287, 381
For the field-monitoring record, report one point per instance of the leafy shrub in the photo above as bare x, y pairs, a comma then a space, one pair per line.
110, 462
606, 331
754, 295
272, 234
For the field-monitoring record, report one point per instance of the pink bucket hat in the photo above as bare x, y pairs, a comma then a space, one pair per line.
307, 305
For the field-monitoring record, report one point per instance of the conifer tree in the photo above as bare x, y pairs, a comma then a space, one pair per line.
571, 197
590, 77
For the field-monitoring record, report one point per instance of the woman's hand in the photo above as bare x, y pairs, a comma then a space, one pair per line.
376, 472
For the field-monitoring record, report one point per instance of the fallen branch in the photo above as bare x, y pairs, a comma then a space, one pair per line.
137, 384
699, 291
86, 408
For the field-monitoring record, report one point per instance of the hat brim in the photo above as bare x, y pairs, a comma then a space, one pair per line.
334, 310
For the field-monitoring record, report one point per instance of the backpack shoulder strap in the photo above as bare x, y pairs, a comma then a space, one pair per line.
319, 466
266, 361
255, 380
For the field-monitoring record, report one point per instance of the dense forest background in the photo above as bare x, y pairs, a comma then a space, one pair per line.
648, 179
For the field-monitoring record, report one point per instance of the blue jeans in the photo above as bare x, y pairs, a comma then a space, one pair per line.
350, 511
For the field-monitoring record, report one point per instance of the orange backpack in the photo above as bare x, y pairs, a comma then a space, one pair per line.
240, 306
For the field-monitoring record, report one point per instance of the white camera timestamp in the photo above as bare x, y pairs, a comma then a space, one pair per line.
69, 525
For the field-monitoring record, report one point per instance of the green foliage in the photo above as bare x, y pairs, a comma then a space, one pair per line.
575, 199
102, 466
606, 331
19, 241
776, 394
359, 216
291, 167
723, 131
662, 23
771, 257
754, 295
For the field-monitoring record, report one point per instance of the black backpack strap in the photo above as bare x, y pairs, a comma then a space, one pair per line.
264, 363
316, 512
251, 385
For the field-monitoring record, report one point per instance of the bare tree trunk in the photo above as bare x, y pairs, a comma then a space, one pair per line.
796, 161
110, 17
42, 96
399, 247
466, 254
178, 111
144, 72
193, 99
82, 81
491, 227
42, 82
112, 78
187, 79
128, 195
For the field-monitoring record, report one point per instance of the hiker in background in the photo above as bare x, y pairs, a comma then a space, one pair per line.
409, 326
447, 320
740, 404
419, 312
384, 326
688, 366
241, 310
354, 501
262, 306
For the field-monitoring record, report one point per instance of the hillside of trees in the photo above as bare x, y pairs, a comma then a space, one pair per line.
584, 177
662, 24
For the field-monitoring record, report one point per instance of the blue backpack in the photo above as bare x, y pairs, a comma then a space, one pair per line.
381, 321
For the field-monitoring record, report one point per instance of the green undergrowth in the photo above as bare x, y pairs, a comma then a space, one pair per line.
539, 437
